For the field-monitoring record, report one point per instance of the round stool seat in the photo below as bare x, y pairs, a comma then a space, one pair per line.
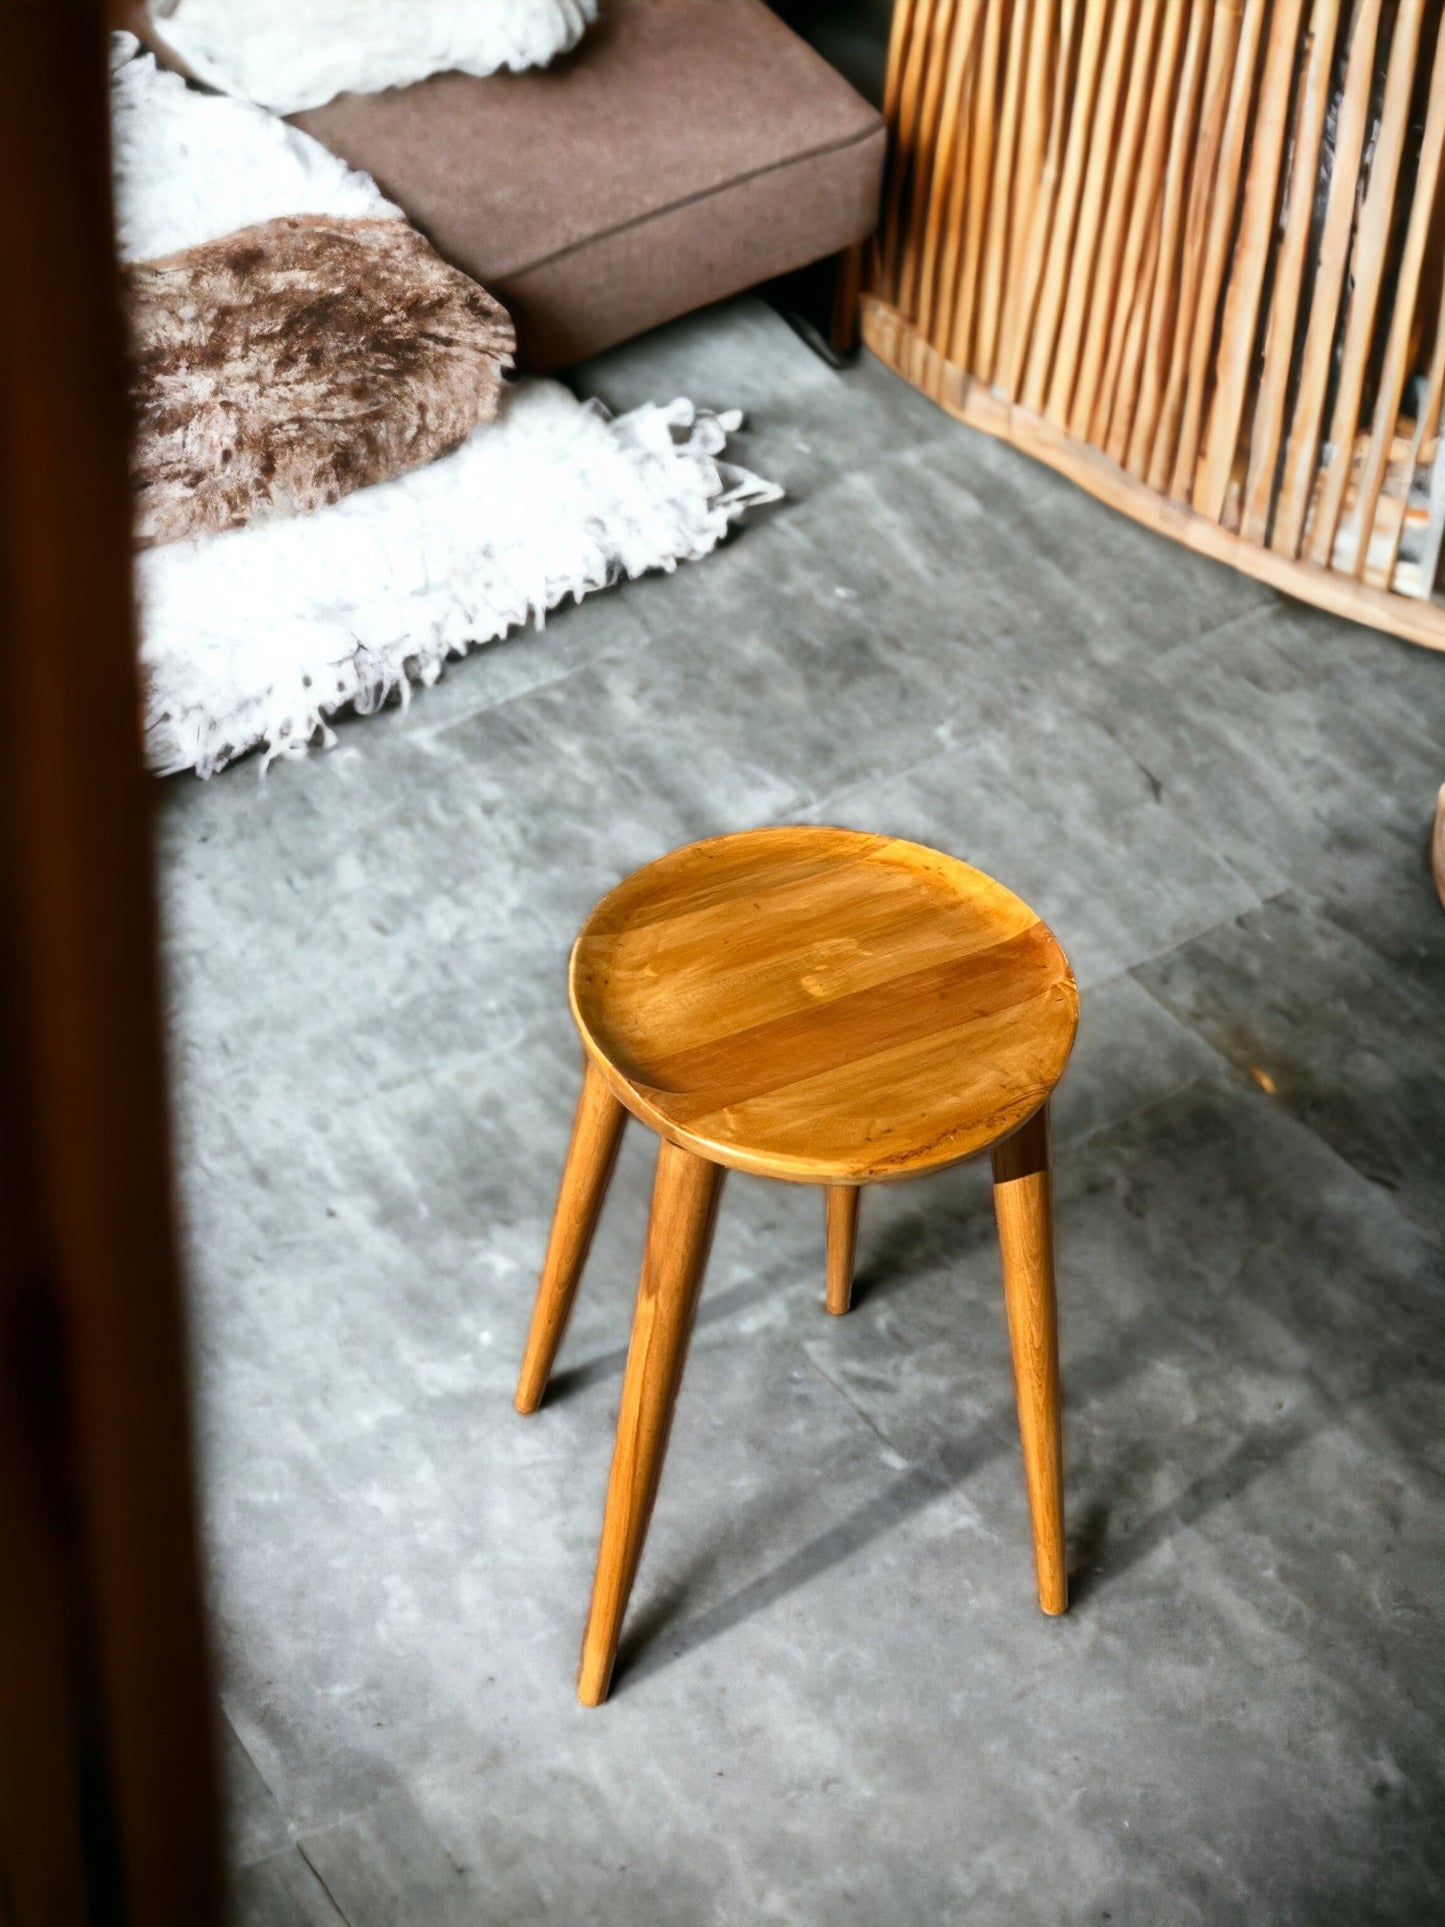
823, 1006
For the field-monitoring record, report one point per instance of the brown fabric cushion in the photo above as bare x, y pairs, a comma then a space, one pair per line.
687, 149
284, 366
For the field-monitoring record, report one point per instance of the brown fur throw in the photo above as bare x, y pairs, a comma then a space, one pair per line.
279, 368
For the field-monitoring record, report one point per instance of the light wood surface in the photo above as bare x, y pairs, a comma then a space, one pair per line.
596, 1134
1155, 212
1090, 222
1023, 1204
829, 1008
1300, 467
1373, 230
1273, 393
821, 1005
1188, 250
1112, 239
842, 1245
1138, 404
684, 1205
1397, 348
1251, 258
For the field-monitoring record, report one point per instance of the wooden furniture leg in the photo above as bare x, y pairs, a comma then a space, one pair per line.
596, 1134
842, 1243
847, 289
1023, 1203
684, 1205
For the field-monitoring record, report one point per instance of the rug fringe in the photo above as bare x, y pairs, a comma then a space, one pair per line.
273, 677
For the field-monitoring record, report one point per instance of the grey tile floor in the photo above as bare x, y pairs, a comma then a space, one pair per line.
837, 1702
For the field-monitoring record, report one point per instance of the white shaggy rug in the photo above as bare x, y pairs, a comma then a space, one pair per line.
257, 636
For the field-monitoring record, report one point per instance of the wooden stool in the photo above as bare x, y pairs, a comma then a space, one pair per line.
829, 1008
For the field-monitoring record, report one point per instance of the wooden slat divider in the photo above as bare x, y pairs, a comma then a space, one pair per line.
1403, 320
1289, 274
948, 174
1006, 139
956, 218
980, 170
1144, 201
925, 148
1113, 234
1028, 177
1136, 439
1061, 236
1031, 270
909, 45
1108, 288
1297, 478
1367, 273
1097, 175
1239, 325
1207, 126
1127, 393
1223, 197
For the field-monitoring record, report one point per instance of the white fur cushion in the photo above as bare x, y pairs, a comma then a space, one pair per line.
190, 167
290, 54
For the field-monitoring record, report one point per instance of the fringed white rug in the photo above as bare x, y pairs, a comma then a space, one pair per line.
257, 636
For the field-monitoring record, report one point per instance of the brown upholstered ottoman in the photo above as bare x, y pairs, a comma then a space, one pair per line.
686, 150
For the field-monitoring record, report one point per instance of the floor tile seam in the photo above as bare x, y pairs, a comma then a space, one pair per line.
435, 733
272, 1854
925, 1467
310, 1826
831, 798
1306, 895
1133, 970
320, 1879
1402, 980
1210, 1078
341, 1107
1267, 597
1434, 1236
948, 752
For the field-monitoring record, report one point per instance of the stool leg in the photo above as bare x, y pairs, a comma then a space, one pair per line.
684, 1204
842, 1243
596, 1134
1023, 1203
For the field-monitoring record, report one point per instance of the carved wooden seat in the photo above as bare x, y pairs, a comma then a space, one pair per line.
828, 1008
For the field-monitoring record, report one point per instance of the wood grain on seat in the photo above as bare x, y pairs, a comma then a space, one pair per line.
823, 1006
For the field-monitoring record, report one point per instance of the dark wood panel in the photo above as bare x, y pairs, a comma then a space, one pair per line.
108, 1806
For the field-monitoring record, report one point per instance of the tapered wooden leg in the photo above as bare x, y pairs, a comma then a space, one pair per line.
684, 1204
842, 1243
596, 1134
1023, 1202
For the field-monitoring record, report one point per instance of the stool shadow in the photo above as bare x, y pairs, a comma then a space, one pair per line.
592, 1371
1101, 1559
649, 1645
1096, 1559
899, 1254
883, 1275
947, 1232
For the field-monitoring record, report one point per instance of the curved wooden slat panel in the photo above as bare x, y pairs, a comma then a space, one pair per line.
1184, 250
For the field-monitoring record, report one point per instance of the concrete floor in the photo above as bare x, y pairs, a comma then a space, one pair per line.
837, 1702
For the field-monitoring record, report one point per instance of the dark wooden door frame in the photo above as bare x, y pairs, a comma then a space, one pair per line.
108, 1793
